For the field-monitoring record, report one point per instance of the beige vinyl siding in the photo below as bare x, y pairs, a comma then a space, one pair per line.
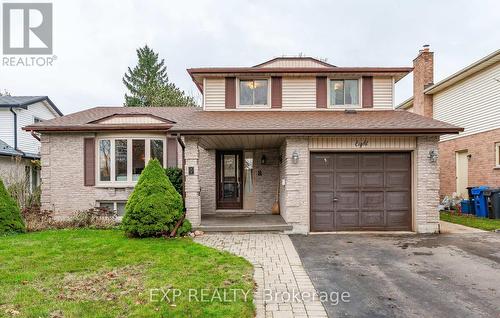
214, 93
473, 103
368, 142
294, 63
383, 92
299, 93
132, 120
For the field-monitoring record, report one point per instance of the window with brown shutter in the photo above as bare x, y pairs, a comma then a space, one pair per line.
367, 92
89, 162
321, 91
230, 92
276, 92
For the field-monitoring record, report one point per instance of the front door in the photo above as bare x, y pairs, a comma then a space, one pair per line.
229, 179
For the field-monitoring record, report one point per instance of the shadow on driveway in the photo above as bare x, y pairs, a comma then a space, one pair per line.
453, 275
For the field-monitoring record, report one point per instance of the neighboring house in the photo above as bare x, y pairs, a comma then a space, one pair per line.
469, 98
19, 149
325, 137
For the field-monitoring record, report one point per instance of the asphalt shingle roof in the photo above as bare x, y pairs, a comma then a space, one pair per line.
193, 120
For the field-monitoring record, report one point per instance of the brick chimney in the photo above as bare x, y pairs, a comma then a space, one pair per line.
423, 77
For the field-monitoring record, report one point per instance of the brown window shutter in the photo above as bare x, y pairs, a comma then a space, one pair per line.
230, 92
172, 152
276, 92
367, 91
321, 90
89, 162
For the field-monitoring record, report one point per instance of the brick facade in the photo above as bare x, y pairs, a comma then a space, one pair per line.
482, 168
62, 177
423, 77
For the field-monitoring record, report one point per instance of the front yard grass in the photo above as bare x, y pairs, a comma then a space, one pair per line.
472, 221
101, 273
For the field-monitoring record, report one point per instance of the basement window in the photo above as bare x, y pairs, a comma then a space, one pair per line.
117, 206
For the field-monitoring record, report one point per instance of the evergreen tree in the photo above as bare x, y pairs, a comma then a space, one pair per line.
148, 83
154, 207
10, 216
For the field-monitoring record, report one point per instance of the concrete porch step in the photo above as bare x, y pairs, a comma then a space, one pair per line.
234, 212
253, 223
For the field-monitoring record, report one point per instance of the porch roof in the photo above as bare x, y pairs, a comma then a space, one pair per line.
195, 121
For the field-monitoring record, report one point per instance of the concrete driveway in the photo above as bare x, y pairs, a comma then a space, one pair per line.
448, 275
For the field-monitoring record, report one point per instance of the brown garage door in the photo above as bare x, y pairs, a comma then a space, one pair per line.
360, 191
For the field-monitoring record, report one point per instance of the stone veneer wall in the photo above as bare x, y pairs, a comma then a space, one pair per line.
207, 181
192, 181
266, 184
427, 184
295, 208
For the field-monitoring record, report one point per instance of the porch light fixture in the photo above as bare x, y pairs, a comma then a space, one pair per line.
295, 157
263, 159
433, 156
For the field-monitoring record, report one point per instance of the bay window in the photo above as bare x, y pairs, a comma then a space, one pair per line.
344, 92
121, 160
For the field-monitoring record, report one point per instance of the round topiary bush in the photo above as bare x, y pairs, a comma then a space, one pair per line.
10, 215
154, 207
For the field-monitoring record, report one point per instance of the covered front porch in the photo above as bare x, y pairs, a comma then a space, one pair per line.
233, 182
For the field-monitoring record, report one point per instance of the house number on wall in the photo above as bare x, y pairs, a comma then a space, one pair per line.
361, 143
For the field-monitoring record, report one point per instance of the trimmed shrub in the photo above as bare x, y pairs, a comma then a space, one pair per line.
10, 215
184, 229
175, 176
154, 207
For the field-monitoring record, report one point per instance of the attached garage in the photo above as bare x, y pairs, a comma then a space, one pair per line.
360, 191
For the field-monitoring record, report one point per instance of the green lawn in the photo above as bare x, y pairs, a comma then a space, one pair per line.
472, 221
101, 273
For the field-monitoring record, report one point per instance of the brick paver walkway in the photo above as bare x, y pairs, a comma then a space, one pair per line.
278, 271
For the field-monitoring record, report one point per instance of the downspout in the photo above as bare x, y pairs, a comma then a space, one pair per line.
15, 127
183, 146
181, 220
34, 135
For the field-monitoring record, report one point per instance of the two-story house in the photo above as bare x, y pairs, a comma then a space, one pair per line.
321, 140
470, 98
18, 148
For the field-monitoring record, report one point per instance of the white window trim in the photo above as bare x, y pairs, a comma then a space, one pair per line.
349, 106
497, 155
255, 106
147, 156
115, 206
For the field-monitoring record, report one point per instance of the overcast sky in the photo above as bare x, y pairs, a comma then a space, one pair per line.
95, 41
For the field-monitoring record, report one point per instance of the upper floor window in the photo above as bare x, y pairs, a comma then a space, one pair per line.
253, 92
344, 92
121, 160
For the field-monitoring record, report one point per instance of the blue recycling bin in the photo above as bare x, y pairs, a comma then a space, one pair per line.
466, 206
480, 203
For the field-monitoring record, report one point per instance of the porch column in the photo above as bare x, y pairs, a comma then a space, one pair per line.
192, 181
427, 184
